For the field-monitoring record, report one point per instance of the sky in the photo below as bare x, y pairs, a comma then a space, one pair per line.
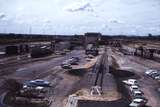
110, 17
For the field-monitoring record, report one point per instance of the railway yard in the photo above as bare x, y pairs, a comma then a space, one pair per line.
75, 79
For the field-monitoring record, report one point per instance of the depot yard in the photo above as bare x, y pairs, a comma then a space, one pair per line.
117, 76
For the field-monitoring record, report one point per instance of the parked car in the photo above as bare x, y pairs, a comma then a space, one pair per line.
73, 61
131, 82
134, 88
57, 53
138, 102
37, 82
66, 66
149, 71
138, 94
65, 62
152, 73
157, 77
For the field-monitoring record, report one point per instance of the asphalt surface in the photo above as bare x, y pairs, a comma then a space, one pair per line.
39, 69
36, 69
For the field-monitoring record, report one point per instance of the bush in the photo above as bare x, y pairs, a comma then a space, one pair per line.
12, 85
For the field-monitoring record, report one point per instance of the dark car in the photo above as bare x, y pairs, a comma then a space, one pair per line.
66, 66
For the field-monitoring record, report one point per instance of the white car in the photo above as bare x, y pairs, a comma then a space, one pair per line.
134, 88
131, 82
149, 71
138, 94
138, 102
157, 77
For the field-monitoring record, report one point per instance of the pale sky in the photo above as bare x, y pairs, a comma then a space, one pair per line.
130, 17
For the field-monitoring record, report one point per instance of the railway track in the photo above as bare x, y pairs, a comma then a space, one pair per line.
100, 69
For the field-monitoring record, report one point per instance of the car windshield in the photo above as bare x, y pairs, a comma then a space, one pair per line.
137, 102
39, 81
138, 94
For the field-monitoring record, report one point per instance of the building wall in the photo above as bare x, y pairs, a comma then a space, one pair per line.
92, 38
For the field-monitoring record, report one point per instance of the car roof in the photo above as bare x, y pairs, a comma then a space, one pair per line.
137, 92
134, 86
154, 72
132, 80
138, 100
148, 71
38, 80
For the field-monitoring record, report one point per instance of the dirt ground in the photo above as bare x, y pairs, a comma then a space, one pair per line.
23, 68
139, 66
48, 68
